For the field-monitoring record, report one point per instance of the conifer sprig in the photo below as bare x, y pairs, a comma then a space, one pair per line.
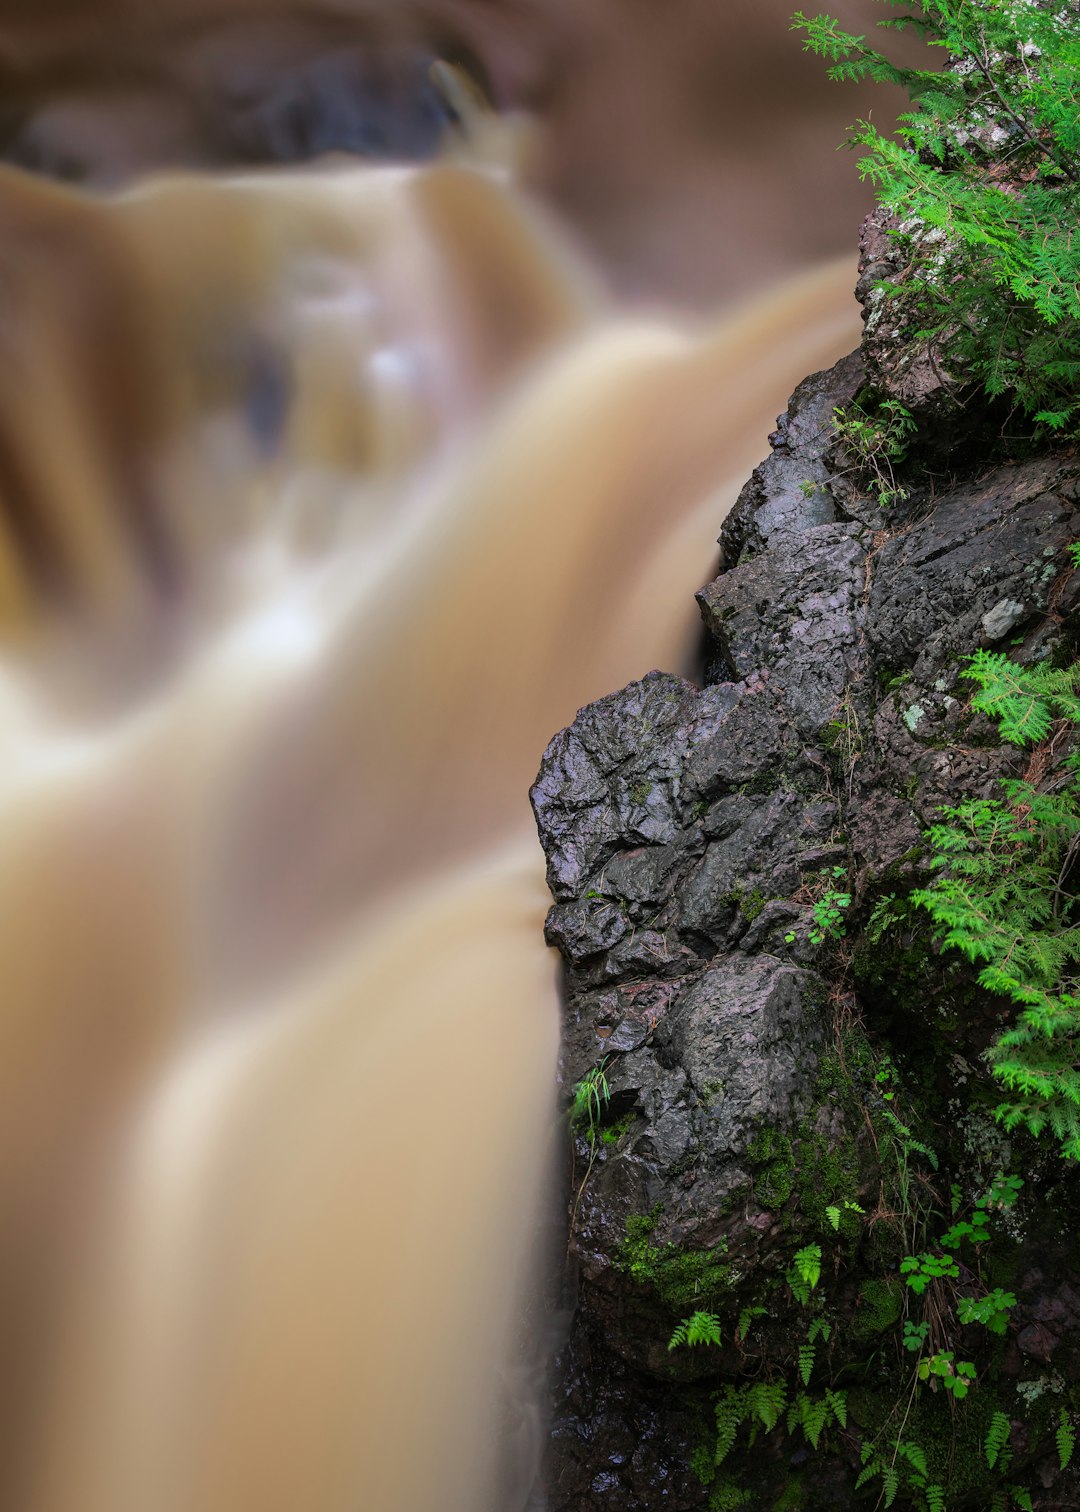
983, 177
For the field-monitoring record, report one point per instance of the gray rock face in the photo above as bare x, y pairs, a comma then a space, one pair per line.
792, 490
688, 832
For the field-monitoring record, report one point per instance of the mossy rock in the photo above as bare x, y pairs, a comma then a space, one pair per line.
879, 1306
682, 1279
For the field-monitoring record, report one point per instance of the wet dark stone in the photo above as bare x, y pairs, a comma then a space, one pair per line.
687, 831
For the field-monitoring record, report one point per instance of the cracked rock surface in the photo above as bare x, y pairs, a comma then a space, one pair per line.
688, 832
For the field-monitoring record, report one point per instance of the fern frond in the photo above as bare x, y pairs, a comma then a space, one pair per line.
699, 1328
730, 1412
766, 1401
997, 1436
914, 1455
1065, 1438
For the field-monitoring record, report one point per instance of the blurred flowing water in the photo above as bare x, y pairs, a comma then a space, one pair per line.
327, 494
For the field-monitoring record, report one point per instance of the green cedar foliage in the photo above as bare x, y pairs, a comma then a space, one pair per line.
983, 176
1005, 896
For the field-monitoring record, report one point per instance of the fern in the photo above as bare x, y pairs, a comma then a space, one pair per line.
805, 1273
875, 1466
838, 1402
1065, 1438
731, 1412
806, 1362
902, 1463
914, 1455
762, 1402
992, 286
890, 1484
997, 1436
699, 1328
1003, 897
746, 1320
766, 1401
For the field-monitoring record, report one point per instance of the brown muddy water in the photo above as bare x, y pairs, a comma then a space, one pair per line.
328, 492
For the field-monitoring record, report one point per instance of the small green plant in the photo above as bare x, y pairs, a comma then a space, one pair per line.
915, 1335
883, 916
805, 1273
999, 1196
698, 1328
919, 1271
983, 177
1005, 897
1002, 1194
907, 1460
992, 1310
835, 1213
1025, 701
997, 1438
885, 1079
1065, 1438
878, 440
813, 1414
829, 910
746, 1321
589, 1101
957, 1376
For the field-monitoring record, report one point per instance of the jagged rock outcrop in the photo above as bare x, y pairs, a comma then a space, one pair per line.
689, 832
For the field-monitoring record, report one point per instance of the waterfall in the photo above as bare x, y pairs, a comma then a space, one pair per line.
326, 496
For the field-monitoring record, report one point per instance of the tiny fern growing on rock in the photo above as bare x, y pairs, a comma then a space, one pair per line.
997, 1438
699, 1328
805, 1273
1004, 897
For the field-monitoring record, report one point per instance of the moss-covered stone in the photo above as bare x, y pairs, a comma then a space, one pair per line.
774, 1170
879, 1306
681, 1278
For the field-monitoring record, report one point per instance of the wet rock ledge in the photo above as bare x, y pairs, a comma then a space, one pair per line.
756, 1073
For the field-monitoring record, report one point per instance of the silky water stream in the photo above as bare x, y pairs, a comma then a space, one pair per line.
326, 497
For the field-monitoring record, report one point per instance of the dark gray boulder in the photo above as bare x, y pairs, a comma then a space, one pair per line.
689, 832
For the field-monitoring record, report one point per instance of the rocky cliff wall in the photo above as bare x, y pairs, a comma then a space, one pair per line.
758, 1071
